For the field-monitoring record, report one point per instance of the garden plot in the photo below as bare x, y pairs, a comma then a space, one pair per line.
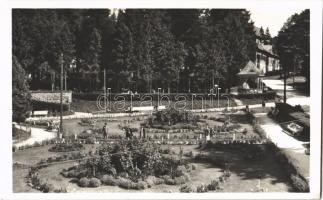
246, 174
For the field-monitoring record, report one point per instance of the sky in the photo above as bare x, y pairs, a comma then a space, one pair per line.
274, 19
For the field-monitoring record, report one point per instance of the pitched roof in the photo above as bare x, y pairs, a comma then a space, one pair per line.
250, 69
257, 31
266, 48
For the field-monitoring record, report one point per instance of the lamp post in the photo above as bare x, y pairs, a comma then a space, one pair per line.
107, 98
218, 97
158, 98
104, 89
61, 62
211, 94
228, 104
194, 95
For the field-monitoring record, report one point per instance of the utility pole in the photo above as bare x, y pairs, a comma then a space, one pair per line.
61, 62
65, 74
285, 84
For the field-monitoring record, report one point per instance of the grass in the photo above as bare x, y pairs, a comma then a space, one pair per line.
19, 135
245, 174
19, 181
72, 126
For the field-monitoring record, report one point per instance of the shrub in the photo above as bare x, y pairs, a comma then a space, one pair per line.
108, 180
90, 140
214, 185
152, 180
193, 167
260, 131
64, 147
125, 183
299, 183
186, 189
180, 171
182, 179
201, 189
141, 185
84, 182
94, 182
189, 154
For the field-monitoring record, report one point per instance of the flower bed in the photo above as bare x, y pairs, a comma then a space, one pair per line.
66, 147
128, 164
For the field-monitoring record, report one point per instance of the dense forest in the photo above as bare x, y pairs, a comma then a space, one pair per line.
141, 50
178, 50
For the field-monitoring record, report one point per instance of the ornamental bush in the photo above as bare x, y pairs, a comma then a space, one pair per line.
108, 180
94, 182
186, 189
214, 185
299, 183
84, 182
201, 189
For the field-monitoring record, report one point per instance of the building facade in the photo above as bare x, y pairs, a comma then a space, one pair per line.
266, 60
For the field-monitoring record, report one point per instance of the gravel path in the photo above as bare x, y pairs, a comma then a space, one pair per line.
37, 135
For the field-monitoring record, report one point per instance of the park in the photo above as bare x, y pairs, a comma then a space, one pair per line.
133, 100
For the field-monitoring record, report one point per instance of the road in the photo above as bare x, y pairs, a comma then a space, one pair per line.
294, 97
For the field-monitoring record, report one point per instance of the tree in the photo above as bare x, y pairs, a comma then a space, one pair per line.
235, 34
293, 42
20, 92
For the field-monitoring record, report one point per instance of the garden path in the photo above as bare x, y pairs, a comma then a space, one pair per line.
37, 135
276, 134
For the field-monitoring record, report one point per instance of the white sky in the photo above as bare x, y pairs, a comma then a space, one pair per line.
273, 18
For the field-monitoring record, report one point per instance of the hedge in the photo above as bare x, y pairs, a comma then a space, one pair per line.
141, 96
266, 95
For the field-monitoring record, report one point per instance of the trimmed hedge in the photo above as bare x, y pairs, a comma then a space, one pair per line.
266, 95
114, 96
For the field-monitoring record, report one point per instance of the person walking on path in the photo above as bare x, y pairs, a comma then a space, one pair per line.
105, 131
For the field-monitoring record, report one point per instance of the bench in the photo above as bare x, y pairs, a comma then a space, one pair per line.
145, 108
40, 113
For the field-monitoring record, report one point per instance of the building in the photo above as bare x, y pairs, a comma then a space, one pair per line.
266, 60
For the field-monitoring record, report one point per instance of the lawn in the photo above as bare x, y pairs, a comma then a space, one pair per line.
245, 174
72, 126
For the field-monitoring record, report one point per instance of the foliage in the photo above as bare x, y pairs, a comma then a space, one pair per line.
293, 44
65, 147
186, 189
131, 159
20, 92
94, 182
84, 182
140, 49
172, 117
214, 185
299, 183
202, 188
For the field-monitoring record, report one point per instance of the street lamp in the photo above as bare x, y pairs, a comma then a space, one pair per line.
61, 62
193, 95
218, 96
107, 98
158, 98
211, 94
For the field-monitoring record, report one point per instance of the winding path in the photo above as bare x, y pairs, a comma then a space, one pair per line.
37, 135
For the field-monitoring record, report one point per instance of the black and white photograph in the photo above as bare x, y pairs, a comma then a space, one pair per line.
164, 100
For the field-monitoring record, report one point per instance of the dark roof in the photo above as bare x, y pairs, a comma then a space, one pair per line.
250, 69
266, 48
